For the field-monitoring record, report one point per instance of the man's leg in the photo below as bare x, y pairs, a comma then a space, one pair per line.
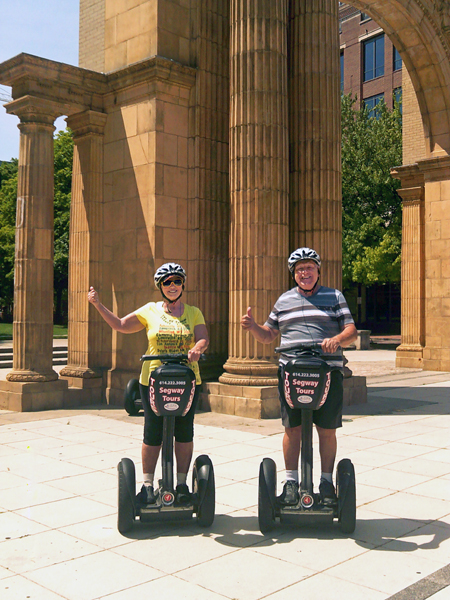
291, 451
149, 458
291, 447
327, 450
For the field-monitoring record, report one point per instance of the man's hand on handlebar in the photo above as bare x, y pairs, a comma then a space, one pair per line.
330, 345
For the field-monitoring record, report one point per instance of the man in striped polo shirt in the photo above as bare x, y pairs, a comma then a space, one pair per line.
309, 314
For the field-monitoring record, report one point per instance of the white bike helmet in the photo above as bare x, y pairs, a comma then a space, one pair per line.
168, 270
302, 254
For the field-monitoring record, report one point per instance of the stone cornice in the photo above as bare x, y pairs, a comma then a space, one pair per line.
74, 90
156, 67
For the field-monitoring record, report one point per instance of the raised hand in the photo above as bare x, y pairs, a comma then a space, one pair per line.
247, 321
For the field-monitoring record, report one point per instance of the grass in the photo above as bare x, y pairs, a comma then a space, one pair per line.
59, 331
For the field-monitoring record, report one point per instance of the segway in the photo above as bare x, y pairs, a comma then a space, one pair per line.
171, 393
306, 382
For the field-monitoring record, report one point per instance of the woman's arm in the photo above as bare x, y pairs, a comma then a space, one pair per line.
201, 343
128, 324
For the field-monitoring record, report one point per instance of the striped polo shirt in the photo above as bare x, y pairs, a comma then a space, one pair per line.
310, 320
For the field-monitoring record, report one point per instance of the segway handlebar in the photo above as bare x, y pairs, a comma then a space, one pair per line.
171, 357
296, 346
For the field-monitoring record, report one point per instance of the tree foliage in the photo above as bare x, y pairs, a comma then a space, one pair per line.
371, 146
8, 198
63, 152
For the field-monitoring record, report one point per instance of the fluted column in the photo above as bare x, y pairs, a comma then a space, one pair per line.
258, 180
315, 133
410, 351
33, 270
86, 328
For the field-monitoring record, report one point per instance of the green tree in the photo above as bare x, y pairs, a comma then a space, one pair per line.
63, 182
8, 198
63, 152
371, 146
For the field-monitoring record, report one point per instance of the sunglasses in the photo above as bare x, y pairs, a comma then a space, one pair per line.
167, 282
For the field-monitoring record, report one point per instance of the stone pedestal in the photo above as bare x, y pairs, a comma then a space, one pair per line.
261, 402
32, 396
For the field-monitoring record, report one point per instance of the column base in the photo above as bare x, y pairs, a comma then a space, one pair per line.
32, 376
409, 356
32, 396
255, 372
79, 372
261, 402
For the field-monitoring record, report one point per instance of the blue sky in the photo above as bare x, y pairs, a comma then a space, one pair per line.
46, 28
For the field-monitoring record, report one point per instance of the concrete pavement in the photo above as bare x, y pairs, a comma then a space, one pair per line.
58, 506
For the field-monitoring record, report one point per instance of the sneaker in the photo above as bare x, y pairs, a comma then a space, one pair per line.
182, 495
289, 496
146, 495
327, 493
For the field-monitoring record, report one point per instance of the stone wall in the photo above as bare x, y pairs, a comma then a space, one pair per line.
91, 53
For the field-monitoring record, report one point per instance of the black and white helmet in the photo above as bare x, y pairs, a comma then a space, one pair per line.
302, 254
168, 270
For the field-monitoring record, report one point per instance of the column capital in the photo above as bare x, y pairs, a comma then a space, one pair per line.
87, 122
31, 109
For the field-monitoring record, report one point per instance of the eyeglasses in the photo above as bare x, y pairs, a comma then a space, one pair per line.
167, 282
304, 269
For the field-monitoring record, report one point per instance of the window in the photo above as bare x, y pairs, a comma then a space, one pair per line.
342, 72
365, 16
373, 53
371, 104
398, 98
397, 60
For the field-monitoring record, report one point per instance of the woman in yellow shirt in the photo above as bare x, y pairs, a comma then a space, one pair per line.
172, 327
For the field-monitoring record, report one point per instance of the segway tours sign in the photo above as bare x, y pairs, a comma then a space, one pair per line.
306, 383
171, 393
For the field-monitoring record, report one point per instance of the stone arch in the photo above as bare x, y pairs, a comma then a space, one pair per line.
420, 30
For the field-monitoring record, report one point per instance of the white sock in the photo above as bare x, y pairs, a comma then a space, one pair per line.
181, 478
292, 475
148, 479
327, 477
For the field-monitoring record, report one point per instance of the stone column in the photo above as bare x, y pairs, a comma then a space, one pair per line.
33, 274
410, 351
315, 134
86, 336
258, 180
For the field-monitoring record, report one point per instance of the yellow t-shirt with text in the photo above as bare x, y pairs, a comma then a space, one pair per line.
168, 334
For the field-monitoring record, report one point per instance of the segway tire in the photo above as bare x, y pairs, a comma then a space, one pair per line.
346, 493
127, 491
203, 486
132, 393
267, 495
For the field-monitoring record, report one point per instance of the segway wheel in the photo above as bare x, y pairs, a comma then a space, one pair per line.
132, 394
267, 495
127, 491
346, 493
203, 486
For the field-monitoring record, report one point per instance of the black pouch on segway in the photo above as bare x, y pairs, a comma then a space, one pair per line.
306, 382
171, 390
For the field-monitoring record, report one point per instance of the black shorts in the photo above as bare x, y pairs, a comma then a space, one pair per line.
153, 425
329, 416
